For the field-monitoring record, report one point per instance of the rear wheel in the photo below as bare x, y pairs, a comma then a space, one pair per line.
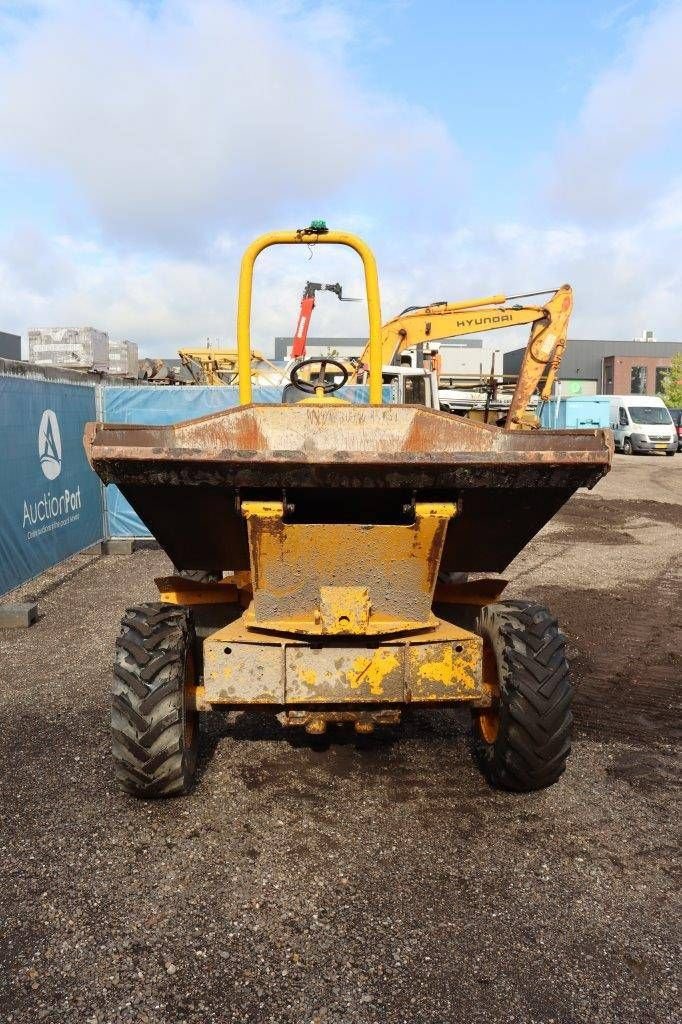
154, 724
523, 740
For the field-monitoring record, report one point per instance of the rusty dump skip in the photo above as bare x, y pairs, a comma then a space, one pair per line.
344, 464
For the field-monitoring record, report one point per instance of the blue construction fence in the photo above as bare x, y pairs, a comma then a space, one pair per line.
52, 505
50, 500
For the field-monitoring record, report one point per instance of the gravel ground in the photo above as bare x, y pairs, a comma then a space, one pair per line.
376, 883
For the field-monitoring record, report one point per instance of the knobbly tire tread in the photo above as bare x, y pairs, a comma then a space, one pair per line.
148, 711
534, 736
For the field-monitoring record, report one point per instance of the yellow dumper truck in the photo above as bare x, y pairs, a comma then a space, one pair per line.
334, 532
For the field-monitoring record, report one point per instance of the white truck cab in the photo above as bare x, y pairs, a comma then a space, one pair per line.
412, 386
642, 423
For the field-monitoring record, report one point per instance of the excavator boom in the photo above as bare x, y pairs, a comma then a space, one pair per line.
543, 355
454, 319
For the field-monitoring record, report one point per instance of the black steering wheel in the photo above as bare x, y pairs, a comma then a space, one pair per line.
309, 387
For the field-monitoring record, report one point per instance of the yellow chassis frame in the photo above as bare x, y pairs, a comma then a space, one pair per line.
307, 236
439, 662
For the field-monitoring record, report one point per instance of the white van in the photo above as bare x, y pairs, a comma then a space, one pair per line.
642, 423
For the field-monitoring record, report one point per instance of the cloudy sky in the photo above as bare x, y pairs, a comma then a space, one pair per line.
479, 146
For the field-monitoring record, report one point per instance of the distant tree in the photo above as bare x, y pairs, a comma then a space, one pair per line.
671, 387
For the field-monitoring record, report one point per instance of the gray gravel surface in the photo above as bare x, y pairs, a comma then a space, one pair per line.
382, 882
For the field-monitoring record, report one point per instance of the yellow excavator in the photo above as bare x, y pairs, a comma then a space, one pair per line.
427, 324
440, 320
218, 366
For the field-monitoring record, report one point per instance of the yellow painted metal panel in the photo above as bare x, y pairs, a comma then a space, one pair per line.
442, 665
344, 609
331, 675
239, 673
305, 575
445, 671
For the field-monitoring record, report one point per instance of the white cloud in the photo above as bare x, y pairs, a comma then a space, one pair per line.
607, 165
616, 14
331, 25
167, 301
205, 117
625, 279
667, 209
34, 263
189, 131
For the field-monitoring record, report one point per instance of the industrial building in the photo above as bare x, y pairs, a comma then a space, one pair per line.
320, 347
123, 359
81, 348
77, 348
458, 357
10, 345
592, 367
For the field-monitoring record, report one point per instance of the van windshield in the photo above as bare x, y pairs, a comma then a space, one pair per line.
648, 414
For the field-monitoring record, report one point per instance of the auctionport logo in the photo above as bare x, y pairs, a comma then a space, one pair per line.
50, 445
50, 511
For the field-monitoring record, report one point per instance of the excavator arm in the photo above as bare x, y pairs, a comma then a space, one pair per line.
450, 320
543, 354
219, 366
208, 365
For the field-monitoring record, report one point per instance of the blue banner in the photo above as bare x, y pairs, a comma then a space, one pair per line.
159, 406
50, 499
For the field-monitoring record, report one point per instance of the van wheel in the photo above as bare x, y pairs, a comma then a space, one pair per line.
524, 738
627, 446
154, 723
670, 454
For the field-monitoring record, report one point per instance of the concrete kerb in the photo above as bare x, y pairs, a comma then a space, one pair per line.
118, 546
18, 616
126, 545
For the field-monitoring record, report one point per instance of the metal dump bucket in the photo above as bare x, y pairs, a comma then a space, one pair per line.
344, 463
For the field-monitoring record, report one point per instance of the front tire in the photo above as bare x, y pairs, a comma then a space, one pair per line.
627, 446
154, 725
523, 741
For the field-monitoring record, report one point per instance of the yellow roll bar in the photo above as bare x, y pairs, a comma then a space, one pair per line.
309, 236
